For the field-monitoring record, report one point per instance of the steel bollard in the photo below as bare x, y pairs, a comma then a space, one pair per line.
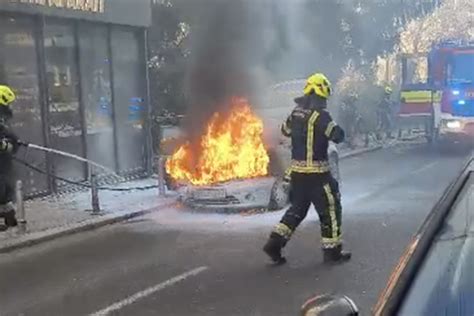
161, 176
20, 206
95, 195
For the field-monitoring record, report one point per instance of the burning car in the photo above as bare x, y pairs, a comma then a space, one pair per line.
232, 168
229, 165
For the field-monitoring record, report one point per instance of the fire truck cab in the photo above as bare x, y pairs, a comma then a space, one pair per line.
438, 92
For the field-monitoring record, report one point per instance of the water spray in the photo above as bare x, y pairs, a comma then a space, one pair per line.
66, 154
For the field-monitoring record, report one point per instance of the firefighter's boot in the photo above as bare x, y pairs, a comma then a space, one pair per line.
273, 248
336, 255
10, 219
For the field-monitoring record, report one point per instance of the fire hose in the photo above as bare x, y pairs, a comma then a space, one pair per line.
64, 154
81, 184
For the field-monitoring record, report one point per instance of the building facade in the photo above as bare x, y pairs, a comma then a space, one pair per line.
80, 73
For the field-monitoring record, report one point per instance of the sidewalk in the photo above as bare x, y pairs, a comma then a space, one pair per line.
54, 216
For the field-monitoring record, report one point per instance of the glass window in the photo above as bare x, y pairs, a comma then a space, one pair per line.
97, 93
444, 285
462, 68
63, 88
19, 69
416, 71
129, 98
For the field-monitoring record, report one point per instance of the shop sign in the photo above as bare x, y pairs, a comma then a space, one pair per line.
95, 6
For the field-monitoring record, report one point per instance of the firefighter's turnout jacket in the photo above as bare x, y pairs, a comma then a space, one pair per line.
311, 128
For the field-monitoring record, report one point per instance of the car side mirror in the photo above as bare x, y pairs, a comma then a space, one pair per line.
329, 305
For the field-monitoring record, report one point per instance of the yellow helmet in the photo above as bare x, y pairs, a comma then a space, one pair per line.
7, 96
319, 84
388, 90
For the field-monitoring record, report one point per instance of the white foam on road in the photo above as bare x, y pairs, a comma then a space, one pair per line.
149, 291
182, 219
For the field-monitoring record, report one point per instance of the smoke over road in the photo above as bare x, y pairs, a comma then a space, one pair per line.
225, 53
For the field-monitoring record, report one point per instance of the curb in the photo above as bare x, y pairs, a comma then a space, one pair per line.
36, 238
358, 152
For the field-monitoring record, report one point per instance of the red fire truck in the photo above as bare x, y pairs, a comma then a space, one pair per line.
442, 101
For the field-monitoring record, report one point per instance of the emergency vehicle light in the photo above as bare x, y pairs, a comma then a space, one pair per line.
462, 102
453, 124
456, 92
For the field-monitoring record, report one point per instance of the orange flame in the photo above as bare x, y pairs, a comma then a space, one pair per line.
231, 148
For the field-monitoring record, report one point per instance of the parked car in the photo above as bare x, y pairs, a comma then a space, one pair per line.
435, 275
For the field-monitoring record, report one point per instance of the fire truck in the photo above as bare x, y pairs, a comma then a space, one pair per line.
437, 92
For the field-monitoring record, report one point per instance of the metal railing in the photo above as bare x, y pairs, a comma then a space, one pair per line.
92, 185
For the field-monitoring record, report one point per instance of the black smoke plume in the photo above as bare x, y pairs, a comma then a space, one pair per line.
224, 53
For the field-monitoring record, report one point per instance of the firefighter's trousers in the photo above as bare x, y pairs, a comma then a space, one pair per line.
322, 190
7, 208
7, 190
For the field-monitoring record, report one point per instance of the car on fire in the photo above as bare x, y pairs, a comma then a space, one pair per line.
264, 193
435, 275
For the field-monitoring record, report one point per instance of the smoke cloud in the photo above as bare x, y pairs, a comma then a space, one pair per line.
238, 47
225, 52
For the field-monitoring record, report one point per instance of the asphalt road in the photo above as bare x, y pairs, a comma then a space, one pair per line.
177, 263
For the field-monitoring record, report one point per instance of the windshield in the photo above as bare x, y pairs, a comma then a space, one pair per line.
444, 283
462, 68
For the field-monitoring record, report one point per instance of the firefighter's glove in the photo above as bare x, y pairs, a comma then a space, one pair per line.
8, 145
338, 135
22, 143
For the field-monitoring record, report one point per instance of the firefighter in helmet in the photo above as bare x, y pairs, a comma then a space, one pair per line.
310, 128
348, 114
8, 147
384, 114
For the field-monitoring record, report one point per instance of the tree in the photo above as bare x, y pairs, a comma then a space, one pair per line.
453, 20
167, 55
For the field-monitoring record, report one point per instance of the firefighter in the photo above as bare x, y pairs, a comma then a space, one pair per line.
8, 147
348, 116
310, 128
384, 114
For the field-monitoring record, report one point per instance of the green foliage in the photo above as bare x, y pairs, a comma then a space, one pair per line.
167, 59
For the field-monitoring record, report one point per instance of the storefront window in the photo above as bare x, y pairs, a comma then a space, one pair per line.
129, 99
97, 93
19, 69
63, 89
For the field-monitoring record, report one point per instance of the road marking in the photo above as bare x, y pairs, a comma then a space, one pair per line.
424, 168
149, 291
386, 186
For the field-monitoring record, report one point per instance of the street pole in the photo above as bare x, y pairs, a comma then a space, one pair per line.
20, 206
161, 176
95, 195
